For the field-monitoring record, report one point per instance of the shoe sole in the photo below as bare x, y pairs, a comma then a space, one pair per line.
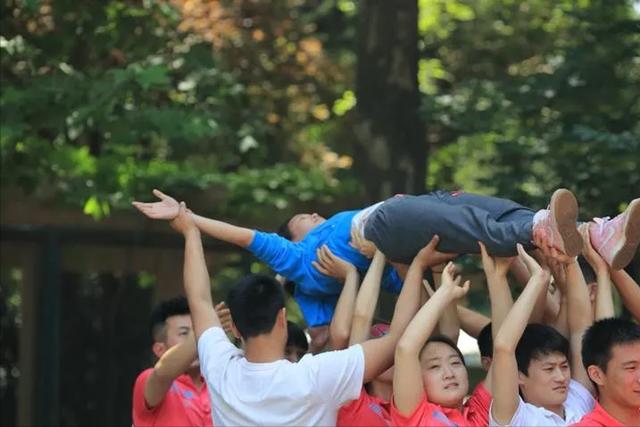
564, 210
626, 249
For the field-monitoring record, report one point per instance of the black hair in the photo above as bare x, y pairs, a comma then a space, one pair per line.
602, 336
290, 287
254, 304
485, 341
539, 340
445, 340
587, 272
296, 337
284, 230
161, 312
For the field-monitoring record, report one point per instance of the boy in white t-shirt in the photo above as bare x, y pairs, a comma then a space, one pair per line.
258, 386
538, 377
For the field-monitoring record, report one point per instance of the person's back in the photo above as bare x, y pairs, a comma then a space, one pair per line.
309, 392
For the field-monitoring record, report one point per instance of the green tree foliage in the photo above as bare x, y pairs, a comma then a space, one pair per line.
102, 101
524, 97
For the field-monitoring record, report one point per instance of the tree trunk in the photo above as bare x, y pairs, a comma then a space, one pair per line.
390, 149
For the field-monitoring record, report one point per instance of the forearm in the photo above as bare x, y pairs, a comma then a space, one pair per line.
629, 291
449, 323
604, 298
408, 301
174, 362
423, 324
340, 327
580, 316
367, 300
540, 306
471, 321
560, 323
197, 285
500, 299
223, 231
517, 319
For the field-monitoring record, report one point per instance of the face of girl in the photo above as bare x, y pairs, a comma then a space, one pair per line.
445, 378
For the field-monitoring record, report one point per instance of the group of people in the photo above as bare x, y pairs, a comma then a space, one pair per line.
555, 356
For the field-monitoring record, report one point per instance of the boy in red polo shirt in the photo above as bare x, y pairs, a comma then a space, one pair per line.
611, 356
172, 393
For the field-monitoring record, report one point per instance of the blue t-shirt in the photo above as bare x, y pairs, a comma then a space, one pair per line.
316, 293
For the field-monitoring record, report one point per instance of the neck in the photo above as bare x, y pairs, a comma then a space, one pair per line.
381, 389
194, 373
556, 409
264, 348
627, 415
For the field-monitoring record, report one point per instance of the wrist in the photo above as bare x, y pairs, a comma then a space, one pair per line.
191, 232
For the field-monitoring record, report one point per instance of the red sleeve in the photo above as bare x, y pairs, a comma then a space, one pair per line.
142, 415
348, 411
419, 416
478, 406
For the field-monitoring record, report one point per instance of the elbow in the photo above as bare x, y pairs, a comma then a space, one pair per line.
503, 346
339, 338
404, 349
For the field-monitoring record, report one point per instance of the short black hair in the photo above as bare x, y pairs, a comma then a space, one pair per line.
602, 336
485, 341
445, 340
254, 304
284, 230
587, 272
162, 311
539, 340
296, 337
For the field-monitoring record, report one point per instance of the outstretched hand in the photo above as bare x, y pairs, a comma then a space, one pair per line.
362, 245
590, 254
496, 266
332, 265
451, 282
167, 208
532, 265
429, 256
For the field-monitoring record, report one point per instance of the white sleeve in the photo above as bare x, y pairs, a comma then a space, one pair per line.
522, 416
215, 351
579, 398
338, 374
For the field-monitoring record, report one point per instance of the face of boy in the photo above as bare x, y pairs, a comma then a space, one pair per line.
547, 382
301, 224
444, 376
621, 382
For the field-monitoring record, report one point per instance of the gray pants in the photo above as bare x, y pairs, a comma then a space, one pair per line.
403, 225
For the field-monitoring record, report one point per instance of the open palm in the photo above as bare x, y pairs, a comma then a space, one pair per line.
167, 208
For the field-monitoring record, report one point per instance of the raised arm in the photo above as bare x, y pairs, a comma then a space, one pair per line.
408, 388
196, 277
504, 365
580, 317
471, 321
449, 323
367, 300
496, 268
379, 352
604, 297
345, 272
629, 291
560, 322
167, 209
173, 363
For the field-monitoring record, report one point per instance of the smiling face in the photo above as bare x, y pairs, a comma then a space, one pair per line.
621, 381
445, 378
301, 224
547, 381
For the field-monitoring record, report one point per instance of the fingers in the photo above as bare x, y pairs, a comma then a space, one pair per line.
465, 287
320, 268
434, 242
159, 194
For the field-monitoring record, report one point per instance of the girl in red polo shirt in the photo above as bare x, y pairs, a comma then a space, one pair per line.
431, 380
